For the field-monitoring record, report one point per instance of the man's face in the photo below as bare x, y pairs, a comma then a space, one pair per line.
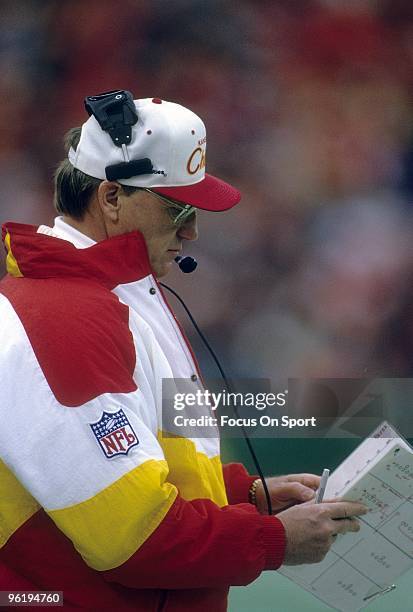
145, 212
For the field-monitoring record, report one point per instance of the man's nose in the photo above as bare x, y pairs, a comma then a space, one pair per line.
189, 230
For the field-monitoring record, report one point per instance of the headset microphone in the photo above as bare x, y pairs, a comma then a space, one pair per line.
187, 264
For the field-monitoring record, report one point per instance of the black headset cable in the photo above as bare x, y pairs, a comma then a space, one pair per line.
229, 389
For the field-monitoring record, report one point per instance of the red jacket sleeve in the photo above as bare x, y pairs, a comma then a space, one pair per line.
237, 482
198, 544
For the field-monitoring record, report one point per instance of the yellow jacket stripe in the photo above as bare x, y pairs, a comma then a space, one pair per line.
108, 528
16, 504
11, 263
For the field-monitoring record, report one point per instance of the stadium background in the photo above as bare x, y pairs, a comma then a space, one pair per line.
308, 111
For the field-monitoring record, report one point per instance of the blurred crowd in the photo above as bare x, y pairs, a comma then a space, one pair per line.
308, 111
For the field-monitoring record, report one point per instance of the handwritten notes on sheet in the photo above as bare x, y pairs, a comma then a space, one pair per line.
361, 566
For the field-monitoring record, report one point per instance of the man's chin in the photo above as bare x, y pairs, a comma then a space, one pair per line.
162, 269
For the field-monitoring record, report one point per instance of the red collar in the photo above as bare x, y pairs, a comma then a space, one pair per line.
115, 261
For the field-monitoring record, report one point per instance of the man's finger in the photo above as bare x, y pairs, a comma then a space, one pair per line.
293, 490
346, 525
345, 509
308, 480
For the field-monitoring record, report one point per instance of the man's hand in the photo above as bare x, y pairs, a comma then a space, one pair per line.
311, 528
286, 491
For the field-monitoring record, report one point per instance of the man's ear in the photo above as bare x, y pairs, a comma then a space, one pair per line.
108, 198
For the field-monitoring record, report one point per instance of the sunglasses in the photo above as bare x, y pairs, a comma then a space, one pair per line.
179, 213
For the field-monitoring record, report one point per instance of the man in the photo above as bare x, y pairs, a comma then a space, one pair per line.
94, 500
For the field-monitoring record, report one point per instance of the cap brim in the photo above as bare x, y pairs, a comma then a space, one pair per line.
209, 194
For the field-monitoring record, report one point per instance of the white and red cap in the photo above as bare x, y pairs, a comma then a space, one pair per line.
174, 139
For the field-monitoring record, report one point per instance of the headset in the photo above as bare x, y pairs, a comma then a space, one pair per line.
116, 114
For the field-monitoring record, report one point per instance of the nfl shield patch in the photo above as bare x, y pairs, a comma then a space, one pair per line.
114, 434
